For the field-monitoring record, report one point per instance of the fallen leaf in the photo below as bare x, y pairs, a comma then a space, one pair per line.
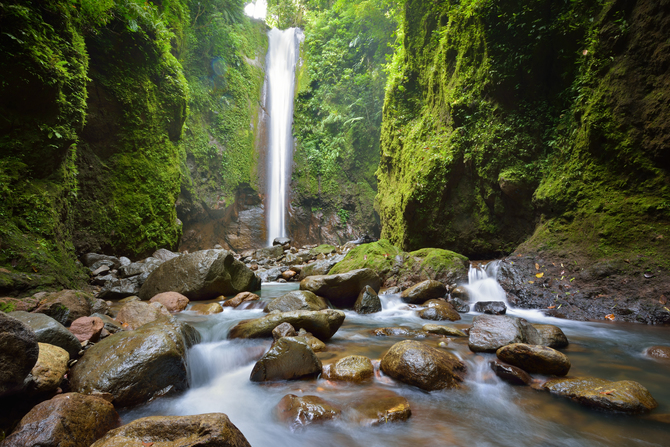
539, 275
666, 309
551, 307
572, 279
608, 392
561, 264
531, 282
537, 266
553, 264
34, 269
610, 317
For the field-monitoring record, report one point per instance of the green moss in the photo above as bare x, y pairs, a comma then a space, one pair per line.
378, 256
323, 249
434, 262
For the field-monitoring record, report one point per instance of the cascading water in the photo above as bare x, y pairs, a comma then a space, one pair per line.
482, 283
283, 52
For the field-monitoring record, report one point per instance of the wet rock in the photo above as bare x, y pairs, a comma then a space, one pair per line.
240, 298
283, 330
201, 275
120, 288
48, 330
459, 305
23, 304
491, 307
288, 275
147, 363
461, 293
130, 299
323, 324
138, 268
398, 331
138, 313
551, 336
47, 374
438, 310
287, 359
67, 420
447, 331
319, 268
173, 301
18, 353
285, 242
428, 368
491, 332
424, 291
383, 408
164, 255
310, 340
206, 309
270, 275
658, 352
623, 396
298, 412
342, 290
99, 306
368, 301
390, 290
90, 259
102, 270
112, 326
510, 373
66, 306
273, 252
212, 429
297, 300
353, 368
535, 359
87, 328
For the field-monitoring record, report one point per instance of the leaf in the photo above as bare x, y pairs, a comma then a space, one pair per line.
531, 282
551, 307
610, 317
539, 275
537, 266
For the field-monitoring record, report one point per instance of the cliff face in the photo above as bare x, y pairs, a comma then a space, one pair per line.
504, 122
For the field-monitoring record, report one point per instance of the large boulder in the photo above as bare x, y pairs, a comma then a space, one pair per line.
353, 368
382, 408
551, 335
50, 331
424, 291
297, 300
368, 301
491, 332
202, 275
47, 374
438, 310
66, 306
146, 363
287, 359
19, 352
67, 420
212, 429
138, 313
343, 289
623, 396
428, 368
535, 359
298, 412
323, 323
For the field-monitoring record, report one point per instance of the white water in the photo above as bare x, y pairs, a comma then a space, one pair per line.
283, 52
482, 283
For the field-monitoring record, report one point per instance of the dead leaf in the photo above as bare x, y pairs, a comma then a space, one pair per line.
34, 269
608, 392
531, 282
662, 299
610, 317
551, 307
537, 266
539, 275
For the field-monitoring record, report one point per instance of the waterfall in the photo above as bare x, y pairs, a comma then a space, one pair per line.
482, 283
283, 52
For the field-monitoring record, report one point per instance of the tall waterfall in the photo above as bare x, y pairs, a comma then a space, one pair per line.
283, 52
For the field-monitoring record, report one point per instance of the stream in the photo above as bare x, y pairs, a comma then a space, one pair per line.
485, 412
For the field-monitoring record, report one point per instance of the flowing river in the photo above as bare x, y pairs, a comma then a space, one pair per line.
485, 412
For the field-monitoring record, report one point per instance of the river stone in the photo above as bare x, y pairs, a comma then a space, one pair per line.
240, 298
461, 293
310, 340
551, 336
130, 299
383, 408
89, 259
112, 326
283, 241
320, 267
398, 331
66, 306
491, 307
447, 331
202, 275
424, 291
138, 268
298, 412
47, 374
342, 290
624, 396
287, 359
438, 310
323, 323
48, 330
491, 332
19, 352
353, 368
146, 363
535, 359
138, 313
173, 301
425, 367
119, 288
206, 309
510, 373
368, 302
211, 430
163, 254
459, 305
87, 328
297, 300
283, 330
655, 352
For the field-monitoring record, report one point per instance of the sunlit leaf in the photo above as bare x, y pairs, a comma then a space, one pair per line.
539, 275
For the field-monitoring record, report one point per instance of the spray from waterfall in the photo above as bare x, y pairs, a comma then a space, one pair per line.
482, 283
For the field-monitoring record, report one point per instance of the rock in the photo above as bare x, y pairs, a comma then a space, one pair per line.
212, 429
270, 275
551, 336
323, 324
438, 329
207, 309
342, 290
138, 313
138, 268
287, 359
656, 352
240, 298
112, 326
310, 340
124, 261
99, 306
147, 363
491, 307
624, 396
67, 420
424, 291
461, 293
90, 259
201, 275
283, 330
420, 365
173, 301
87, 328
368, 301
102, 270
288, 274
438, 310
491, 332
459, 305
353, 368
285, 242
164, 255
13, 304
510, 374
535, 359
273, 252
48, 330
385, 407
117, 289
66, 306
297, 300
398, 331
19, 352
319, 268
47, 374
298, 412
130, 299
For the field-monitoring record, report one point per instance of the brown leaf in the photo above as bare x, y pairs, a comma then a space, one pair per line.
610, 317
537, 266
663, 299
551, 307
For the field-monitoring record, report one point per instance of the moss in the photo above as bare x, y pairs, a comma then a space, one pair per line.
378, 256
434, 262
323, 249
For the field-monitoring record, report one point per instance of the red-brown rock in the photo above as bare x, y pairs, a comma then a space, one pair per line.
240, 298
87, 328
173, 301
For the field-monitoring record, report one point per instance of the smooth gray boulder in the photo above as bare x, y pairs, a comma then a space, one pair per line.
321, 267
368, 301
552, 336
342, 289
297, 300
287, 359
18, 353
47, 330
491, 307
322, 324
491, 332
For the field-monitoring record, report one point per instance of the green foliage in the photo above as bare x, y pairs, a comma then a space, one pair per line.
323, 249
378, 256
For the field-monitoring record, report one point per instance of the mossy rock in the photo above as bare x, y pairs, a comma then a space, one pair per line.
378, 256
323, 249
